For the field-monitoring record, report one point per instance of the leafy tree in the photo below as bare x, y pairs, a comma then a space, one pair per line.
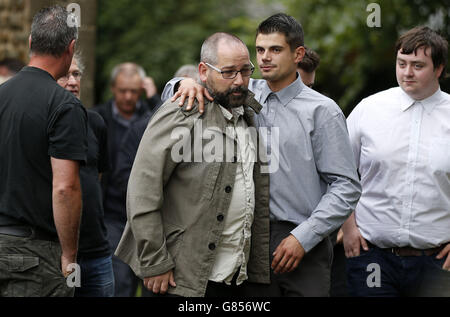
159, 35
356, 60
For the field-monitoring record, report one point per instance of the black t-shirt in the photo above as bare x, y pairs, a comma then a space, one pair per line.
93, 237
38, 120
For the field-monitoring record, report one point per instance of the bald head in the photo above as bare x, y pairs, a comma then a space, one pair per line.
210, 47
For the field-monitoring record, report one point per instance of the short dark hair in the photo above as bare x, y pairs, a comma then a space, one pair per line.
423, 36
12, 64
310, 61
51, 33
285, 24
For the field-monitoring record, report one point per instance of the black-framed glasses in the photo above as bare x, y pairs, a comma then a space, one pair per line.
231, 74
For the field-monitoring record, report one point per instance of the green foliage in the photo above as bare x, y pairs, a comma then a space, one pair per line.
357, 60
159, 35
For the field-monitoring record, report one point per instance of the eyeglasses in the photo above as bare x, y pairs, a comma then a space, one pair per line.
76, 75
230, 74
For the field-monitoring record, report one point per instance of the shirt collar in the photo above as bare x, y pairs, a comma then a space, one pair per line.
119, 118
431, 102
428, 103
286, 94
234, 115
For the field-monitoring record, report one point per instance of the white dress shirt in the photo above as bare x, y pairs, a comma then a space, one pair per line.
402, 149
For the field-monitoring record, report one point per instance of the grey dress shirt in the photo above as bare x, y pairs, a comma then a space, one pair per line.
316, 185
313, 182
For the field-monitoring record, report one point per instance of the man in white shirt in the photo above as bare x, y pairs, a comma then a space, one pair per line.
401, 141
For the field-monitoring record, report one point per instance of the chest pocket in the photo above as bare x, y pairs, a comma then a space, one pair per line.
439, 155
210, 182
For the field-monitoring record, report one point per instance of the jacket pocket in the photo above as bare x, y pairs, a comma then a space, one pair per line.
174, 239
211, 180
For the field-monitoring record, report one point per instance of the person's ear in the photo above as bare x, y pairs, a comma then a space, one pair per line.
202, 71
299, 54
439, 71
71, 48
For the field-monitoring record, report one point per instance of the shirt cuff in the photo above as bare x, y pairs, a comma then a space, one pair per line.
305, 234
169, 89
158, 269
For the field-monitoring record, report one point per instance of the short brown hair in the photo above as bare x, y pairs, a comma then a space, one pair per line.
423, 36
310, 61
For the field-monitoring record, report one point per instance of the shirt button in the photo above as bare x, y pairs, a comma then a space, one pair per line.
228, 189
235, 159
220, 218
211, 246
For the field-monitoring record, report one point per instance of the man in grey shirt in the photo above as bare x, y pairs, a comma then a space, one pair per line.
316, 186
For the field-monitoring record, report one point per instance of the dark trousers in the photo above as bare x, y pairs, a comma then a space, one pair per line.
31, 268
380, 273
339, 272
125, 281
312, 276
215, 289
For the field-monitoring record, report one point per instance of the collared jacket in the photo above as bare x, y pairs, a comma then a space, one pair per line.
176, 210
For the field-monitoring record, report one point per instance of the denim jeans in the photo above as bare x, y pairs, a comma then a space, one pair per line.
97, 278
379, 273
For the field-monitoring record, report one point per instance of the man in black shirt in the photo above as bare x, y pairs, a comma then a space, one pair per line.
42, 142
94, 255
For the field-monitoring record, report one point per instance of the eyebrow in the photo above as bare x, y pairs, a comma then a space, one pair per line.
234, 66
413, 61
270, 47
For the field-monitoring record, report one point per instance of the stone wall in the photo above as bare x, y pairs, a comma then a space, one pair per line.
15, 24
14, 28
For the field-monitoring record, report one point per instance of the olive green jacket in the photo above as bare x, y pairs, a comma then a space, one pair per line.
176, 210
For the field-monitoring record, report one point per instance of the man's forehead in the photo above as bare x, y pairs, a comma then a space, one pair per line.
271, 39
422, 53
128, 81
232, 55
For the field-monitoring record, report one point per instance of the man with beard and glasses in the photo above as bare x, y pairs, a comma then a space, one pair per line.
316, 186
210, 240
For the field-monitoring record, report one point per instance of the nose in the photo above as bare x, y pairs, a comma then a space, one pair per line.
409, 71
71, 81
238, 80
266, 56
128, 95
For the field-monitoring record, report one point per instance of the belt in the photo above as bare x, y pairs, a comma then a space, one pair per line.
409, 251
27, 232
